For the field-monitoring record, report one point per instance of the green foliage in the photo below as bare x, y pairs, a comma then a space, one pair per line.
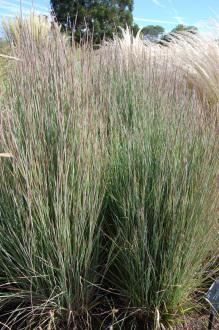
152, 32
179, 31
96, 19
111, 190
160, 185
183, 28
4, 48
50, 204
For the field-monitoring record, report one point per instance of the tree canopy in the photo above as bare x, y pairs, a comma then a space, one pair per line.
184, 28
96, 18
169, 37
152, 32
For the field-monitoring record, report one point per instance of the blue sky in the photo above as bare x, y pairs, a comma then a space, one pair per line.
167, 13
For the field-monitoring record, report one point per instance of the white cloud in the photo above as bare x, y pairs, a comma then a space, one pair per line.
7, 8
7, 15
213, 12
151, 20
206, 29
157, 3
173, 11
179, 19
31, 4
25, 7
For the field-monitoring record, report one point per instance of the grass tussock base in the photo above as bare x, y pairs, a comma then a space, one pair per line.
108, 207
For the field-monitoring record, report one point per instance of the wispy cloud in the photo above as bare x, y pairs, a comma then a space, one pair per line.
151, 20
216, 14
12, 8
179, 19
207, 28
6, 15
8, 7
31, 4
173, 11
157, 3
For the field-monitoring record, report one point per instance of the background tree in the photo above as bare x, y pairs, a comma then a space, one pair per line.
152, 32
96, 18
184, 28
169, 37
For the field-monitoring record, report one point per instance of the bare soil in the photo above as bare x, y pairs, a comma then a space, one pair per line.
198, 322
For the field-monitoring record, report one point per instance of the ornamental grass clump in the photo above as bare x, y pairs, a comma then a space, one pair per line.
108, 167
38, 27
52, 189
197, 56
163, 192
